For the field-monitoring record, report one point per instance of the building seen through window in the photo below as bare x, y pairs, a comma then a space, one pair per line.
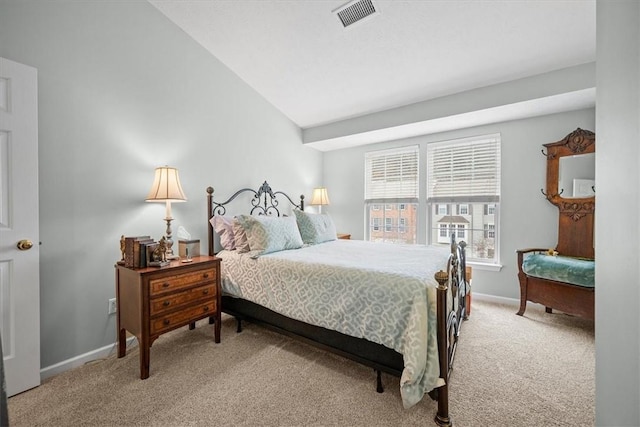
400, 223
470, 222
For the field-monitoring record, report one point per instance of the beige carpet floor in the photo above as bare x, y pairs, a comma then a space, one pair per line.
536, 370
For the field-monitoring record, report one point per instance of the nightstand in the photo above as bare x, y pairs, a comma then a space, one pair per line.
153, 301
344, 236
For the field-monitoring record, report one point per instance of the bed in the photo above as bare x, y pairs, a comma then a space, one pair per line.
395, 308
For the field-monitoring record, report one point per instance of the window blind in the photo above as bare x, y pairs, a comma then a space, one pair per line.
392, 174
464, 170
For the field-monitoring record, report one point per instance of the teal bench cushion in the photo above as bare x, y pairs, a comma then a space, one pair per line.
575, 271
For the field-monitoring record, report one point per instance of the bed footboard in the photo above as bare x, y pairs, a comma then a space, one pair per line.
451, 284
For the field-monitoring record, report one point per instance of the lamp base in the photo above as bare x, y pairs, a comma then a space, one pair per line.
167, 238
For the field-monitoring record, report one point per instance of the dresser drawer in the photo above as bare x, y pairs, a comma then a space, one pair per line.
171, 301
180, 281
182, 317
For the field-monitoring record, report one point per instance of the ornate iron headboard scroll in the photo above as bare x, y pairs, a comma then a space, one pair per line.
263, 202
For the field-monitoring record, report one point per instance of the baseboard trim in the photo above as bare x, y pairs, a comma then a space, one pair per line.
495, 299
83, 359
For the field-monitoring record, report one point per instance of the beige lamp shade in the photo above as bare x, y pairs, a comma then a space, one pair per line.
320, 197
166, 186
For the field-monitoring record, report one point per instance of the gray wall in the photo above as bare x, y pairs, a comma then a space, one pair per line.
527, 219
123, 90
617, 207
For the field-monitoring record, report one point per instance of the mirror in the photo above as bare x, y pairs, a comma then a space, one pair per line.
576, 176
571, 163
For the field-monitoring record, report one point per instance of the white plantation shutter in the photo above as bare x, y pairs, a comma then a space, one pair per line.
392, 175
464, 170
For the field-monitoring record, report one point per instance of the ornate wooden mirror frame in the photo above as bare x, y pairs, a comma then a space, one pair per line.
575, 224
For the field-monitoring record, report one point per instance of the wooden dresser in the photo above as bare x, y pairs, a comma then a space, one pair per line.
152, 301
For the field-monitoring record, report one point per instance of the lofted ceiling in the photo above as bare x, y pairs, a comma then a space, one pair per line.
297, 54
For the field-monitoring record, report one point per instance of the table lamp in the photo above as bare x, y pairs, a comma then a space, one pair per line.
320, 198
166, 188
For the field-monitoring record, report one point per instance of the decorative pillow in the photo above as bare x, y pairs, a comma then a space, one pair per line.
270, 234
223, 225
242, 244
315, 228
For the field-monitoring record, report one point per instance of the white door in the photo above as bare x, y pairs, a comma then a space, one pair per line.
19, 269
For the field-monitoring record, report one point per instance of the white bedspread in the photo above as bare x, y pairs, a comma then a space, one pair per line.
384, 293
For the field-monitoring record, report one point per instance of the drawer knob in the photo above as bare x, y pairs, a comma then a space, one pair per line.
166, 321
165, 285
166, 303
206, 292
205, 275
206, 308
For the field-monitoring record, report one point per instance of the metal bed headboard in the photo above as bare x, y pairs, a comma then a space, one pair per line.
263, 202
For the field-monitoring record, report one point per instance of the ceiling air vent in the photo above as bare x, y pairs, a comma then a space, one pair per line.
356, 11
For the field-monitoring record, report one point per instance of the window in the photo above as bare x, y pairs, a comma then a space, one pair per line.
489, 231
391, 178
462, 195
463, 177
460, 234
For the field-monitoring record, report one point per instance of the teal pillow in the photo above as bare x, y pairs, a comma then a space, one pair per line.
267, 234
315, 228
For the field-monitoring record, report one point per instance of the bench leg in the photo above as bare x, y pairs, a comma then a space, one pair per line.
523, 294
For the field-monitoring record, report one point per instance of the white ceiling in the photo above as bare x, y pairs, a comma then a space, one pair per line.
300, 58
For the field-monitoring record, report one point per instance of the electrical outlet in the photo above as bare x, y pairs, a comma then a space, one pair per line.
112, 306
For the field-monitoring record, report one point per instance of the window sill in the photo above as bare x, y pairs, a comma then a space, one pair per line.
484, 266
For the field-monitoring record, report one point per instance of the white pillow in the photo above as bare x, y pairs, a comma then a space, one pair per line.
315, 228
223, 225
268, 234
